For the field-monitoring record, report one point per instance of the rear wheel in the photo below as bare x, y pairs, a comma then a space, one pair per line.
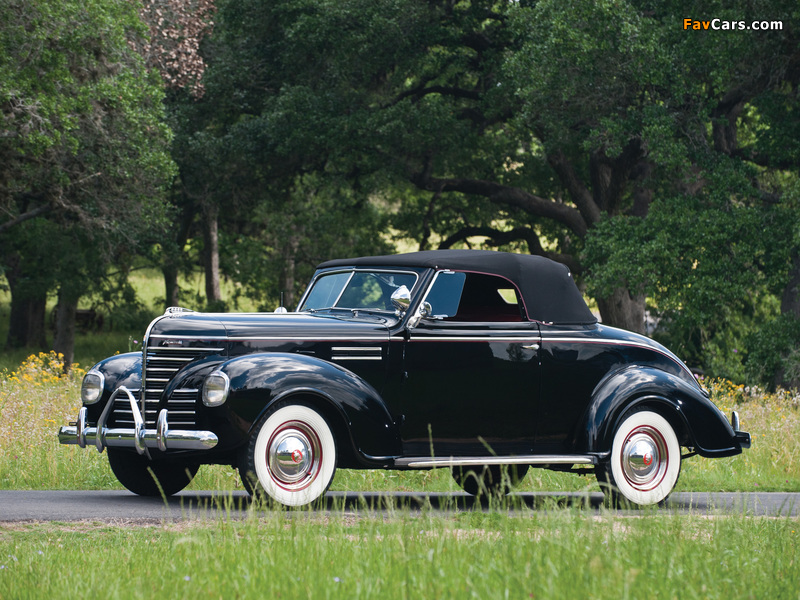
150, 477
492, 480
291, 456
645, 460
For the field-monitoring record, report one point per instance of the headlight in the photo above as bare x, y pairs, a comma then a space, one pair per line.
215, 389
92, 387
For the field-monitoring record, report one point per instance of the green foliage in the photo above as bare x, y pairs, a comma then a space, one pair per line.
774, 349
285, 241
708, 269
83, 118
83, 145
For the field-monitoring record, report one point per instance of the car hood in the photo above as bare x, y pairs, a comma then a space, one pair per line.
294, 326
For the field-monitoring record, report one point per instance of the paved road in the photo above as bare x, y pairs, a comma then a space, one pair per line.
120, 506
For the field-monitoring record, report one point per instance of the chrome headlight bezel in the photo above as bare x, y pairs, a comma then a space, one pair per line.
92, 387
215, 389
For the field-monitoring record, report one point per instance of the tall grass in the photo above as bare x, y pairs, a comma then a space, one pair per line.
36, 398
541, 554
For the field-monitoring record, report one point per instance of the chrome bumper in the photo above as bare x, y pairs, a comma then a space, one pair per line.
140, 438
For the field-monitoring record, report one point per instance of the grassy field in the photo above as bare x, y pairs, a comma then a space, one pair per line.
548, 554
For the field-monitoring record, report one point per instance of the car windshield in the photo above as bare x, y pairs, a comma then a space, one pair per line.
363, 290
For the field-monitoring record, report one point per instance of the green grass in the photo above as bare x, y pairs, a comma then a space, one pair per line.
540, 554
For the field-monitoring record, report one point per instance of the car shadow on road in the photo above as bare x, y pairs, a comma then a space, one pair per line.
388, 502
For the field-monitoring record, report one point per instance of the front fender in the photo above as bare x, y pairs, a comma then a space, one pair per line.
257, 381
120, 369
705, 427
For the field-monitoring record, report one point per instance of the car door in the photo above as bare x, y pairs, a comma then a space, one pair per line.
471, 370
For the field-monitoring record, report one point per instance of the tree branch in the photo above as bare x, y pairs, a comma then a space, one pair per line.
31, 214
579, 193
500, 238
508, 196
421, 91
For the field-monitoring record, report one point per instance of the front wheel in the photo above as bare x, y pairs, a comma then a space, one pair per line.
291, 455
645, 460
144, 477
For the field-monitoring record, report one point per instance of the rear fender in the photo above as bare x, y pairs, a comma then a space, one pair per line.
258, 381
698, 422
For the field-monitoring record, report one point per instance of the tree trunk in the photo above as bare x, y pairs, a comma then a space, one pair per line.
290, 271
27, 318
623, 309
26, 322
211, 255
64, 342
790, 304
172, 297
173, 252
790, 300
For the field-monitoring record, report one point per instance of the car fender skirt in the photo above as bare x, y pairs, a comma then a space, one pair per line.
260, 380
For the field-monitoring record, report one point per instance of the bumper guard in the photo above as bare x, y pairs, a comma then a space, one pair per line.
741, 437
162, 437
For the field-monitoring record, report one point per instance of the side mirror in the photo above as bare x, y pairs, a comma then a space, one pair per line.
426, 310
401, 298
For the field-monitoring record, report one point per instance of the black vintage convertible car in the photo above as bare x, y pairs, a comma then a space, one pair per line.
486, 363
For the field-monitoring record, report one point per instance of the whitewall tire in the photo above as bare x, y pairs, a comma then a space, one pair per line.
645, 460
292, 455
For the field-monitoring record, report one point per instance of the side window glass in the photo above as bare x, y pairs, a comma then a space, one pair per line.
489, 298
445, 294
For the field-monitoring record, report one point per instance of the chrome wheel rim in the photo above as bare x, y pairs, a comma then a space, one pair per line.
644, 458
294, 456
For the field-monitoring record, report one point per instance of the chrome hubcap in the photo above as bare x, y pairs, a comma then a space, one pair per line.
644, 457
291, 455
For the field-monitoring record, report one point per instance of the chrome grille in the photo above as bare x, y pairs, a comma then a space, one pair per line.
121, 413
162, 363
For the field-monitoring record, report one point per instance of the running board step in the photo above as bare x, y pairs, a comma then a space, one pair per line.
421, 462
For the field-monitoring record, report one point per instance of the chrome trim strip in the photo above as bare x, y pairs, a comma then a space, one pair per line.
476, 461
266, 338
356, 349
473, 338
184, 348
357, 353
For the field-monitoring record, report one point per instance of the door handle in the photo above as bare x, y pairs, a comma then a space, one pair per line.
531, 347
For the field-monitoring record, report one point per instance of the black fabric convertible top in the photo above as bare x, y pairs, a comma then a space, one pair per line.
547, 288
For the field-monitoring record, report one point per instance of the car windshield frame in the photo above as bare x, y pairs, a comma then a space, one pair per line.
341, 291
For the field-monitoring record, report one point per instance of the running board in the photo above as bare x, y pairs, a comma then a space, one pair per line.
472, 461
